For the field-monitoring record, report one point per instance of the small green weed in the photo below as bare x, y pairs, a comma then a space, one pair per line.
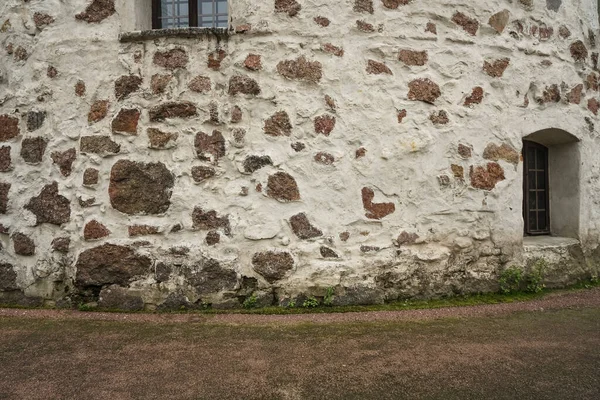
291, 304
510, 280
328, 300
250, 302
311, 302
535, 276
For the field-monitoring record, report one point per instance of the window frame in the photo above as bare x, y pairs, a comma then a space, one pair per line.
193, 15
526, 188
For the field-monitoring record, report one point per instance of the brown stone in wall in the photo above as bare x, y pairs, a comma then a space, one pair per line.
330, 102
200, 84
209, 220
239, 137
302, 227
499, 20
431, 28
244, 85
61, 244
593, 106
324, 158
5, 159
64, 160
322, 21
127, 84
236, 115
423, 90
470, 25
126, 121
42, 20
413, 58
51, 72
290, 7
20, 54
375, 210
360, 152
476, 96
364, 26
278, 125
171, 59
201, 173
496, 68
574, 96
140, 188
159, 83
159, 140
324, 124
212, 238
97, 11
98, 111
564, 32
283, 187
215, 58
503, 152
331, 49
254, 163
363, 6
9, 127
486, 177
4, 189
253, 62
298, 146
326, 252
80, 88
90, 177
8, 277
210, 146
591, 82
101, 145
50, 207
183, 109
394, 4
33, 149
578, 51
458, 171
439, 117
109, 264
272, 265
406, 238
401, 115
301, 69
142, 230
377, 68
94, 230
23, 244
545, 32
464, 151
244, 28
551, 94
35, 120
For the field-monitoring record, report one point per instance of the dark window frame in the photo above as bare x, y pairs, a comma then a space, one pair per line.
193, 15
535, 186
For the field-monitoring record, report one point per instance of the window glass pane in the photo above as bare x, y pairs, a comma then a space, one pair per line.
541, 198
221, 7
530, 158
166, 8
542, 221
532, 197
532, 222
206, 7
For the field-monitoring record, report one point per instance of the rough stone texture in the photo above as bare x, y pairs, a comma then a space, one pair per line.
126, 85
326, 252
215, 58
97, 11
486, 177
302, 227
375, 210
272, 265
503, 152
201, 173
5, 159
212, 238
171, 59
322, 21
42, 20
413, 57
278, 125
33, 149
283, 187
593, 105
61, 244
331, 49
159, 140
401, 115
290, 7
578, 51
9, 127
470, 25
394, 4
101, 145
254, 163
8, 277
50, 207
236, 115
98, 111
23, 245
574, 96
35, 120
377, 68
496, 68
142, 230
324, 158
159, 83
90, 177
301, 69
184, 109
244, 85
499, 20
363, 6
364, 26
126, 121
431, 28
109, 264
209, 220
200, 84
64, 160
439, 117
464, 151
80, 88
476, 96
324, 124
424, 90
4, 189
115, 297
140, 188
94, 230
210, 147
253, 62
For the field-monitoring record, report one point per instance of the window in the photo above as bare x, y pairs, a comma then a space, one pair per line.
536, 210
189, 13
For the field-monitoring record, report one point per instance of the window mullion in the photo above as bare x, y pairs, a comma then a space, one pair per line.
193, 8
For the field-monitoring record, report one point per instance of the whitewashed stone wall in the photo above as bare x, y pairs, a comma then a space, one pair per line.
372, 147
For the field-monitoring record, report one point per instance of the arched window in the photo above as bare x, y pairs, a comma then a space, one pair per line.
189, 13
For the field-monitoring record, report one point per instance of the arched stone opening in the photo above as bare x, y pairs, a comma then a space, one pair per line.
551, 191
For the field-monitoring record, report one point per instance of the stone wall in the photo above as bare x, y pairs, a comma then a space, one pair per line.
368, 146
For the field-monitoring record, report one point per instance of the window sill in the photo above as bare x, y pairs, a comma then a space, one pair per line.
543, 242
189, 33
